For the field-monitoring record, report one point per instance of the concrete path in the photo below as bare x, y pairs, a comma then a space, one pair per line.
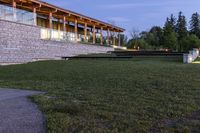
18, 114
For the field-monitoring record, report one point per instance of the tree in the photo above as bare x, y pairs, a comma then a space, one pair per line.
170, 41
142, 44
133, 42
195, 24
138, 43
168, 27
143, 34
181, 28
169, 36
191, 41
157, 36
134, 33
123, 40
151, 39
172, 20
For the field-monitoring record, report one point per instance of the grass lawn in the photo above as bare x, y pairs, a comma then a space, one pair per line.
198, 60
135, 95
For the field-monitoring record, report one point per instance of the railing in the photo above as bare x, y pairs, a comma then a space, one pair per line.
17, 15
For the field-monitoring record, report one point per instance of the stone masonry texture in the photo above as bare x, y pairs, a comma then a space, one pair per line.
20, 43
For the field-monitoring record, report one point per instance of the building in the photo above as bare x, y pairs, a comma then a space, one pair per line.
36, 20
57, 23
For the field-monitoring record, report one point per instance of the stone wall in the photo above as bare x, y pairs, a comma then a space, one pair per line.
20, 43
191, 57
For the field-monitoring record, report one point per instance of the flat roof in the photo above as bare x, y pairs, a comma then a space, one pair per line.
58, 12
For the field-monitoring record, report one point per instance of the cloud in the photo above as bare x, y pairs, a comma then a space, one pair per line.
137, 5
114, 6
118, 19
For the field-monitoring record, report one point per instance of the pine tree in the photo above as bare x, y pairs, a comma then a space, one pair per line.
168, 26
169, 36
181, 29
195, 24
172, 21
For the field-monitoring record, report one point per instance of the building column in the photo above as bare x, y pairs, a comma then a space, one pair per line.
101, 36
76, 29
119, 39
114, 38
94, 34
50, 21
67, 26
89, 34
59, 28
85, 32
64, 24
34, 16
14, 5
108, 37
50, 25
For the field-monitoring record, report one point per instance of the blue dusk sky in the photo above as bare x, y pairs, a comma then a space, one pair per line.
129, 14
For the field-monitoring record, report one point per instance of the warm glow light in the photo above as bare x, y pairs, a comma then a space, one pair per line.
119, 47
196, 62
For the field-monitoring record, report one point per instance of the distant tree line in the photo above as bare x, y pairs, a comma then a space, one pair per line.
176, 35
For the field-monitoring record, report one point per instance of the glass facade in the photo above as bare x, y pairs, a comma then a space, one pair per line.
51, 34
17, 15
25, 17
56, 33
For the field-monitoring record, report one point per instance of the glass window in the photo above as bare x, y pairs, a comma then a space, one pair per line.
17, 15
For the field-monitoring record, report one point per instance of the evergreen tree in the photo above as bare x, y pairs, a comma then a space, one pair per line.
195, 24
172, 21
169, 36
181, 28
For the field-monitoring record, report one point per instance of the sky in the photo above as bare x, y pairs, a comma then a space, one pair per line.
131, 14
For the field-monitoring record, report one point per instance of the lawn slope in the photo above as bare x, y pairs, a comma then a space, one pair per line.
135, 95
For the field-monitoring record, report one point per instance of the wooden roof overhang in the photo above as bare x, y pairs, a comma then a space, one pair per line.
44, 8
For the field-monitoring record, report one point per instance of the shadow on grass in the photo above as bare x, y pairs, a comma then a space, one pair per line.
189, 123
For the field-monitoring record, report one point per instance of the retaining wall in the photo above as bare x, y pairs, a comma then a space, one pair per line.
20, 43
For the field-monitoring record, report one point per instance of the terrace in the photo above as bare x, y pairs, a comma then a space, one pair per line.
60, 24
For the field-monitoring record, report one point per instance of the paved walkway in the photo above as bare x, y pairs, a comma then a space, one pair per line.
18, 114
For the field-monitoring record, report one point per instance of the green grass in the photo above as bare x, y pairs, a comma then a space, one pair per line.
198, 59
135, 95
